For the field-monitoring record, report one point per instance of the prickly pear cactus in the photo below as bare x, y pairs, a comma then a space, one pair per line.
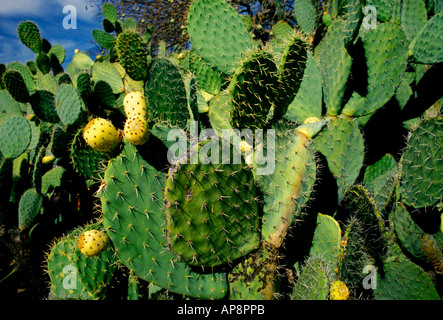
295, 159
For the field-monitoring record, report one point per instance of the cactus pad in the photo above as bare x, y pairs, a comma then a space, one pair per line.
212, 211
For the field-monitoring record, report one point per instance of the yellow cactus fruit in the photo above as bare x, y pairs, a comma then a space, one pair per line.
48, 159
136, 130
181, 56
247, 149
311, 120
101, 135
92, 242
339, 291
135, 104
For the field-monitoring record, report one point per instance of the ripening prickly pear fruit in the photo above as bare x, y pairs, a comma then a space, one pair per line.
311, 120
247, 149
339, 291
135, 104
101, 135
48, 159
92, 242
136, 130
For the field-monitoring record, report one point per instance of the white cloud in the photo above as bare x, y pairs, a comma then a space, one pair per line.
23, 7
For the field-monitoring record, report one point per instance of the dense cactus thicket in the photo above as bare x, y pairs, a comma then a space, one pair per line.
306, 167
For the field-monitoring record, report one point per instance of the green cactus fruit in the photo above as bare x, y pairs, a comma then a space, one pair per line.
16, 86
104, 39
101, 135
218, 34
421, 179
334, 63
255, 277
165, 93
15, 136
68, 104
135, 105
132, 54
136, 130
404, 280
132, 204
326, 242
305, 15
92, 242
212, 209
308, 101
29, 35
289, 185
341, 142
424, 48
29, 207
313, 281
253, 90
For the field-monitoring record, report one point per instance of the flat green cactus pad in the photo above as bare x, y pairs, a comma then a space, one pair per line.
212, 210
132, 203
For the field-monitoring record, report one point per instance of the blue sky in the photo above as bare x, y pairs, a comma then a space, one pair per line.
49, 16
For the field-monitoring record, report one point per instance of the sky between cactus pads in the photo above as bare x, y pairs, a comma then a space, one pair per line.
65, 22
